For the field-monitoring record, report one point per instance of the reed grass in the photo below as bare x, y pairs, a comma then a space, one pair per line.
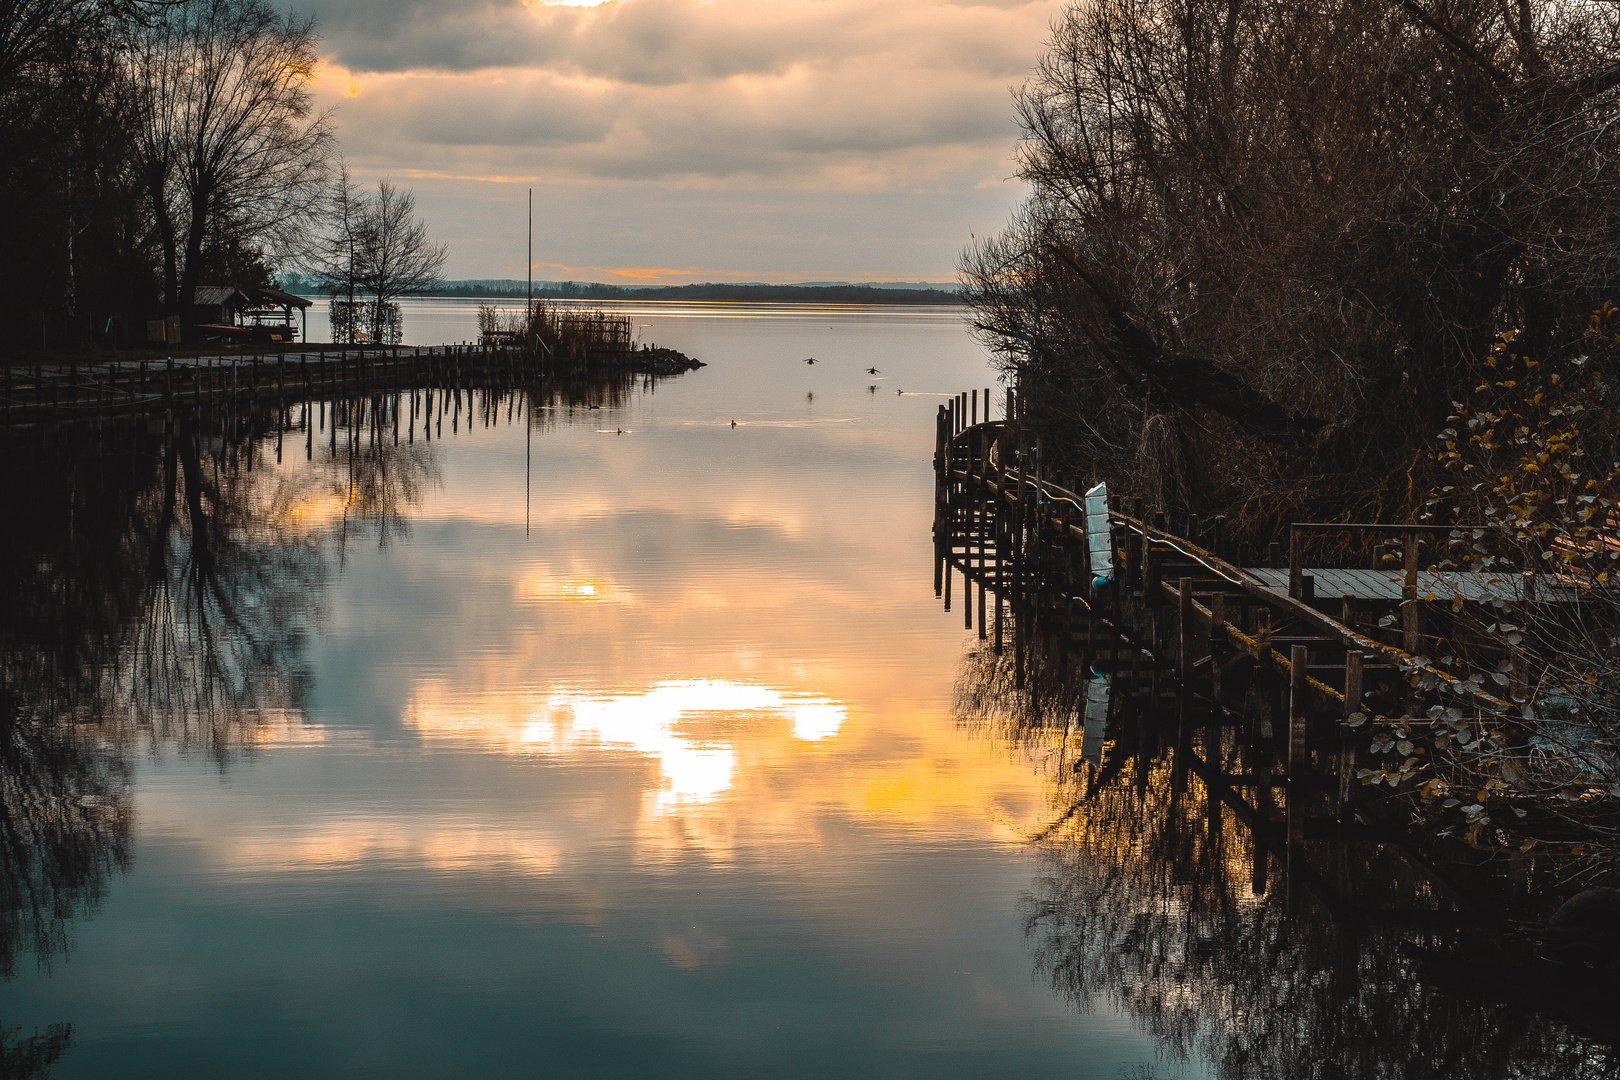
561, 333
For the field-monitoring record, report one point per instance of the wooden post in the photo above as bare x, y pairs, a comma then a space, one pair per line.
1299, 700
1353, 681
1215, 641
1150, 571
1000, 609
1296, 562
984, 516
1274, 555
1184, 623
940, 522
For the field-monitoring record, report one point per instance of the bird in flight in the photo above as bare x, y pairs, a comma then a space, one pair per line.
809, 359
871, 371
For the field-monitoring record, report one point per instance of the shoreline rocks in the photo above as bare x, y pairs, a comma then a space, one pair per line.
661, 361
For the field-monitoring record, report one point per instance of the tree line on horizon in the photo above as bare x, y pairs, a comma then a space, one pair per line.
150, 147
590, 290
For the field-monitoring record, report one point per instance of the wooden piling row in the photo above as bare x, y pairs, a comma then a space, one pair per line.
1233, 650
40, 393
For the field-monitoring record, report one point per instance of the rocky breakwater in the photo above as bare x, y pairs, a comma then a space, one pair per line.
658, 360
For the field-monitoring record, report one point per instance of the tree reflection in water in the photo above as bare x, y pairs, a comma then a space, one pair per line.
1157, 900
158, 582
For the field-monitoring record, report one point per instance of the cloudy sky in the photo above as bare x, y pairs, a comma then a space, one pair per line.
670, 141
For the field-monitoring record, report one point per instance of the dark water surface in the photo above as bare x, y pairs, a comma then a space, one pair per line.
397, 762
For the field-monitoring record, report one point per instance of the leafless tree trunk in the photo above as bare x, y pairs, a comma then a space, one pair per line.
400, 258
1292, 230
227, 137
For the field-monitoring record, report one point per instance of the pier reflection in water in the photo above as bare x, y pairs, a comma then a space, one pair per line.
1354, 954
474, 735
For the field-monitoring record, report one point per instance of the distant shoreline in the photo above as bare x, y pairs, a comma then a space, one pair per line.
744, 293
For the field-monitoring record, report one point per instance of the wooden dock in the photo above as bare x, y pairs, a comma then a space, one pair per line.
1284, 654
112, 386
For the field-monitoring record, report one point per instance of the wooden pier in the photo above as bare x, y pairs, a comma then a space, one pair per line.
1286, 655
44, 392
110, 386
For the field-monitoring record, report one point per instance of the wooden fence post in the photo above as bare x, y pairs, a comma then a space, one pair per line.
1296, 562
1353, 687
1299, 700
1184, 621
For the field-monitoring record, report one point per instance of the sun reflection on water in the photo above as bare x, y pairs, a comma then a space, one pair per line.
690, 727
545, 587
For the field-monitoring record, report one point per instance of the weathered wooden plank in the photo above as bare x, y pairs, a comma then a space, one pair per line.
1437, 585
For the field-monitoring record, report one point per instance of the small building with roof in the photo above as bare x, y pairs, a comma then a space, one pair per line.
257, 313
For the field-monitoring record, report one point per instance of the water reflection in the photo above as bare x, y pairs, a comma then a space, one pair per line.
688, 727
1348, 958
159, 582
64, 830
666, 784
164, 576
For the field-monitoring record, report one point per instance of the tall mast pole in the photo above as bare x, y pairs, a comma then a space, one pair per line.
528, 326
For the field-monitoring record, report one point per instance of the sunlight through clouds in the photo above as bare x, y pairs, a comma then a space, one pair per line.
688, 132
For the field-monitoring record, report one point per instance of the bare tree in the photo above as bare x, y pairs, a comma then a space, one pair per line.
373, 245
400, 258
337, 261
1268, 242
227, 134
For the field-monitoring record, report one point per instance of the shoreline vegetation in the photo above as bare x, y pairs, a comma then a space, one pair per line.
1237, 294
566, 337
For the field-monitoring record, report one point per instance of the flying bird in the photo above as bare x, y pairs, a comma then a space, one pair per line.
871, 371
872, 389
809, 359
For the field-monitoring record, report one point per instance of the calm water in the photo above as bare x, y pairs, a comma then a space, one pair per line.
618, 743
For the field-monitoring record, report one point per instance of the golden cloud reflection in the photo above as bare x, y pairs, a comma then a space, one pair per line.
690, 727
545, 587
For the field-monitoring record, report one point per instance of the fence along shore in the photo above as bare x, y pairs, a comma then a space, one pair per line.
1179, 631
72, 389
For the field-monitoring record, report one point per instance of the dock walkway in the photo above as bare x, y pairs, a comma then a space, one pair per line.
110, 385
1282, 654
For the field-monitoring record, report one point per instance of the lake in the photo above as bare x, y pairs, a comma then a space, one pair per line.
615, 729
556, 740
